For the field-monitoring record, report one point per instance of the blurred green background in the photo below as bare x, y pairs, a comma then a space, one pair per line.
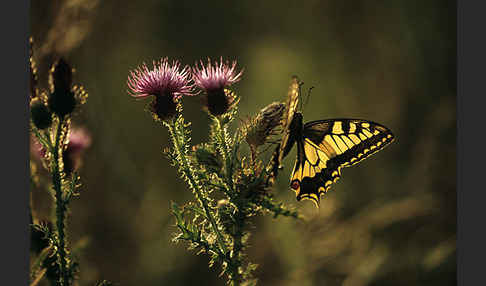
391, 220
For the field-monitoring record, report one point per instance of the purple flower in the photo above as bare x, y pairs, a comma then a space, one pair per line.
78, 141
214, 78
166, 82
217, 76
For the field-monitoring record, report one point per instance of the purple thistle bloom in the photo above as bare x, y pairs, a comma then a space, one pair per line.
167, 82
217, 76
213, 79
78, 141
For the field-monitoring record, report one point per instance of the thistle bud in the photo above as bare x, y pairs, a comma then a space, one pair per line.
62, 75
163, 107
61, 101
218, 101
259, 128
40, 114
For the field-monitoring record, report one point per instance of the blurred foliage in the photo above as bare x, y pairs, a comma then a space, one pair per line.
391, 220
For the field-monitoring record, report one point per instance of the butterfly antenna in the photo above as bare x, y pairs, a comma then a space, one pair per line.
308, 95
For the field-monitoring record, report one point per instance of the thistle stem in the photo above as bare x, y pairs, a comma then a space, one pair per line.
189, 172
237, 246
236, 277
225, 153
60, 209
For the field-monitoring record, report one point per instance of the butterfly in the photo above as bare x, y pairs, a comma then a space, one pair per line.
324, 147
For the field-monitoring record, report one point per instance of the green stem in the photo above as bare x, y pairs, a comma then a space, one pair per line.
226, 154
237, 246
188, 170
60, 209
222, 131
237, 236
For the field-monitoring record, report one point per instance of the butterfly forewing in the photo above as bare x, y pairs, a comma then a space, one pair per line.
286, 142
328, 145
291, 106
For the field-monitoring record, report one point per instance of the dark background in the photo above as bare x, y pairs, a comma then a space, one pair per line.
391, 220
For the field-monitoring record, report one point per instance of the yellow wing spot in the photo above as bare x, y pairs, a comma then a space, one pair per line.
365, 125
354, 138
360, 155
331, 144
322, 165
337, 128
366, 150
322, 156
362, 136
367, 133
335, 179
310, 153
389, 136
334, 174
384, 139
307, 170
352, 127
340, 143
347, 141
321, 190
327, 149
378, 144
314, 196
376, 132
312, 172
373, 147
327, 184
352, 160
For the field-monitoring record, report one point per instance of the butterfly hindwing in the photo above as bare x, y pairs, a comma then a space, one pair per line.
328, 145
313, 173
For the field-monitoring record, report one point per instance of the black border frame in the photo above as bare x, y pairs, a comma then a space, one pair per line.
15, 25
471, 47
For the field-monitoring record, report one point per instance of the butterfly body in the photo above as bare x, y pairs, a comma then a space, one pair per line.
324, 147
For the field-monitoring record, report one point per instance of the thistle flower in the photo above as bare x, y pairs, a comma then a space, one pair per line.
79, 140
166, 82
214, 79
